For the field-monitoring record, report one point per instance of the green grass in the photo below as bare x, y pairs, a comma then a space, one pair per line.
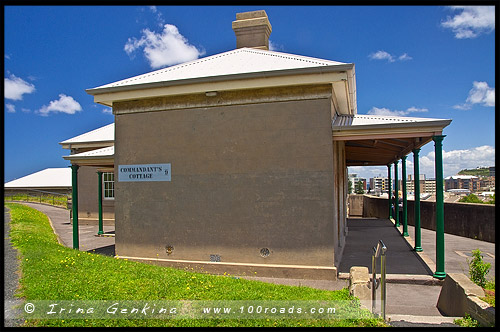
489, 290
467, 321
53, 272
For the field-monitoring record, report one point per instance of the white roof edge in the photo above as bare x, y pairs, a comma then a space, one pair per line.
94, 154
102, 134
276, 73
458, 176
348, 121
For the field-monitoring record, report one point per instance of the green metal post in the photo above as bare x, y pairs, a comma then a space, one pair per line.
74, 203
416, 172
99, 175
438, 150
396, 193
405, 197
389, 190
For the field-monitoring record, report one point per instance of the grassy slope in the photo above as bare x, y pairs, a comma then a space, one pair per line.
51, 271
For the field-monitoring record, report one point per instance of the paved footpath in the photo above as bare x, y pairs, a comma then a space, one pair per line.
88, 241
11, 278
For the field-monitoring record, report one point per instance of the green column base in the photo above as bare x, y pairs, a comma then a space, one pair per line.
406, 234
439, 275
418, 249
100, 233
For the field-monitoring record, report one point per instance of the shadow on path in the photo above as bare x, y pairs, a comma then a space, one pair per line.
107, 250
364, 234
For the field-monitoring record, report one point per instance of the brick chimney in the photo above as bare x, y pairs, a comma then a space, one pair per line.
252, 29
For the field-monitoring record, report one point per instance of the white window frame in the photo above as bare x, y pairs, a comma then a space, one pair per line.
108, 185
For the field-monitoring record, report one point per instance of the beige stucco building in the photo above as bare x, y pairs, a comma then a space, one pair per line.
256, 144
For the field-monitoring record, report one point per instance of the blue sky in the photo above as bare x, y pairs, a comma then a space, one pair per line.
423, 61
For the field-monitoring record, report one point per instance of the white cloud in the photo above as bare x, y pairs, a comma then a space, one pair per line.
10, 108
481, 94
404, 57
15, 88
453, 162
387, 112
383, 55
159, 17
456, 160
471, 22
65, 104
163, 49
275, 47
107, 111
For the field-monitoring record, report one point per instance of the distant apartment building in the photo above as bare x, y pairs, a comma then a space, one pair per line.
410, 183
487, 183
429, 186
379, 184
355, 180
469, 182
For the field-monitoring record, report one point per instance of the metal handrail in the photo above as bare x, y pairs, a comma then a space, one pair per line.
379, 251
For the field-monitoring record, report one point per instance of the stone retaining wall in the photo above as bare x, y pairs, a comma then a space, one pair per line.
460, 296
475, 221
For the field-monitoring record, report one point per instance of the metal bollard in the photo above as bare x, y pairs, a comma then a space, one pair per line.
379, 251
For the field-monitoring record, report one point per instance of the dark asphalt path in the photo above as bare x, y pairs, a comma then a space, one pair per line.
364, 235
11, 277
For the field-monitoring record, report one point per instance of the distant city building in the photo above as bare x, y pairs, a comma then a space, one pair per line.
429, 186
410, 183
469, 182
492, 171
380, 184
487, 183
355, 180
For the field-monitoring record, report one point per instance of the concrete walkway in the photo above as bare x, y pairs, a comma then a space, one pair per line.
88, 241
11, 278
412, 292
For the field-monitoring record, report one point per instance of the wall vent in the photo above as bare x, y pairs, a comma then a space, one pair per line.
215, 258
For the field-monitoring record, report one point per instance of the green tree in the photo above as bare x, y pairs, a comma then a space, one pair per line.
349, 187
492, 200
359, 188
478, 269
471, 198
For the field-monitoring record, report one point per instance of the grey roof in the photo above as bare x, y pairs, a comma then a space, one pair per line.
241, 61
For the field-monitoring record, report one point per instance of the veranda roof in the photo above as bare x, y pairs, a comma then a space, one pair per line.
373, 140
98, 137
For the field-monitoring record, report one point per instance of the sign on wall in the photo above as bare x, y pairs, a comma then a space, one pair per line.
147, 172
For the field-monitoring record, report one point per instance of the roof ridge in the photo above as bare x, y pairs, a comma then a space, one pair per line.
174, 67
298, 57
306, 60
